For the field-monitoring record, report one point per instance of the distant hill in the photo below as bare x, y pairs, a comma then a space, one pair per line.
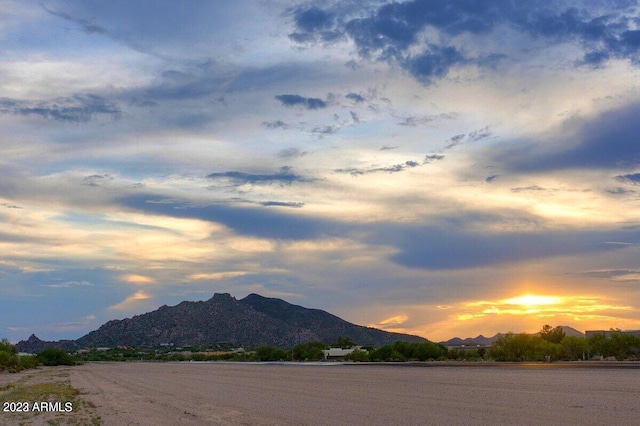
570, 331
473, 341
252, 321
487, 341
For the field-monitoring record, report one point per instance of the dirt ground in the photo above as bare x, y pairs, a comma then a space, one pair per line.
247, 394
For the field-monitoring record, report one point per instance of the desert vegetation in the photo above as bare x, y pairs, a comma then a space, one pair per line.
12, 361
551, 344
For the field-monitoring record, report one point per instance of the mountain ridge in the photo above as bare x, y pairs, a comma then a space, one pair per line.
253, 321
487, 341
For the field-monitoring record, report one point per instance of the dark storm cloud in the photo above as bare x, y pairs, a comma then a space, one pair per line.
451, 245
96, 180
354, 97
450, 242
292, 153
477, 135
474, 136
195, 81
432, 157
434, 63
619, 275
276, 124
389, 169
256, 78
595, 59
415, 120
313, 19
258, 222
314, 24
75, 109
284, 176
394, 32
620, 191
297, 100
607, 141
531, 188
86, 26
208, 80
165, 28
10, 206
632, 178
455, 141
325, 130
282, 204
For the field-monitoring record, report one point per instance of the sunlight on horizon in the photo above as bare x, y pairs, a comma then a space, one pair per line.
534, 300
525, 312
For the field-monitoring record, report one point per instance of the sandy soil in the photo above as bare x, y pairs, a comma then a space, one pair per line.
246, 394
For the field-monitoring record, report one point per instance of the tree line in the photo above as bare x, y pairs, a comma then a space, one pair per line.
11, 361
552, 344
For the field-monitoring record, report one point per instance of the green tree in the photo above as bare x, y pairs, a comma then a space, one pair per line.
598, 344
544, 350
515, 347
311, 351
344, 343
357, 355
423, 351
574, 347
482, 352
552, 334
386, 353
623, 345
268, 353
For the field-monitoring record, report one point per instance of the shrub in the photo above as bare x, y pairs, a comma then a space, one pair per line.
199, 356
268, 353
8, 356
28, 361
55, 356
311, 350
357, 355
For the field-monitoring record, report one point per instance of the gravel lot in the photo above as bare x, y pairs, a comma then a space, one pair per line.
248, 394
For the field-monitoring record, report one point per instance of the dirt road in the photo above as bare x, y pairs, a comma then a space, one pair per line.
245, 394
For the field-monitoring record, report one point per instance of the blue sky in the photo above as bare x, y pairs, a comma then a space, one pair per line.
417, 166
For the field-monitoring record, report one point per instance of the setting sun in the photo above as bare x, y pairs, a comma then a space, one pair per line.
532, 300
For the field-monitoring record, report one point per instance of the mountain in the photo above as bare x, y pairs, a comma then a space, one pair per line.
473, 341
252, 321
487, 341
570, 331
33, 344
325, 326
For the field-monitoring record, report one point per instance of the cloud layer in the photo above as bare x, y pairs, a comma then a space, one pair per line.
409, 164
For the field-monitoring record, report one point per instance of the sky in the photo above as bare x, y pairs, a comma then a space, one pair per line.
438, 168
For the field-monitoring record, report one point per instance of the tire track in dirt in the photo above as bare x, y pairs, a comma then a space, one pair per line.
236, 394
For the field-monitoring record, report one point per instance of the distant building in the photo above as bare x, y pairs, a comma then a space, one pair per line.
339, 352
609, 333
